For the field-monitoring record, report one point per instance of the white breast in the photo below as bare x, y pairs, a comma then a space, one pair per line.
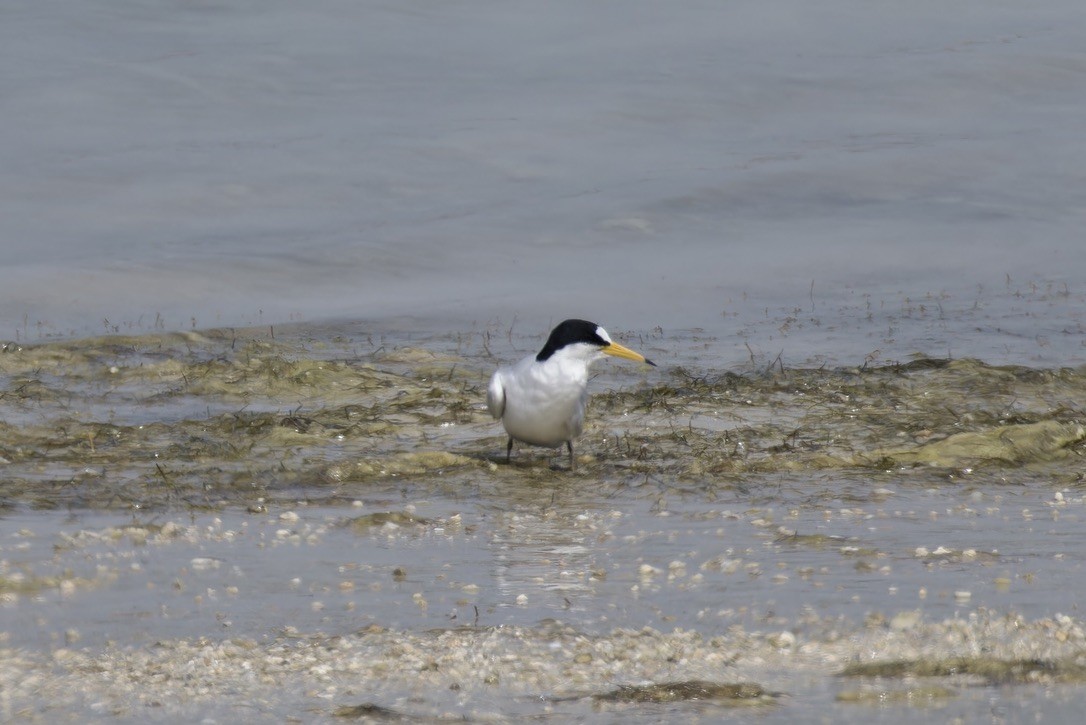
541, 403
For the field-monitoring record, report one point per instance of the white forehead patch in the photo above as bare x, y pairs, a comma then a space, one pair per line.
603, 334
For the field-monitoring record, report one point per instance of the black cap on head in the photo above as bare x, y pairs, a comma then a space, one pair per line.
570, 332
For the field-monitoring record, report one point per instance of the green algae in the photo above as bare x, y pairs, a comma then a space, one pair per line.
813, 541
988, 670
368, 522
738, 693
229, 418
17, 584
1008, 444
30, 585
913, 696
399, 464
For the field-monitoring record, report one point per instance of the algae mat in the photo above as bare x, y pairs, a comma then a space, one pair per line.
231, 524
211, 420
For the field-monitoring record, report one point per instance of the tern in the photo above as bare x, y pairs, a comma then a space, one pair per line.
541, 399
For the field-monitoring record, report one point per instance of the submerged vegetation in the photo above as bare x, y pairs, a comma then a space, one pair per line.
985, 670
223, 419
738, 693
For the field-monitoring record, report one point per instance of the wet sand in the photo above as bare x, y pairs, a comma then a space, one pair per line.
317, 523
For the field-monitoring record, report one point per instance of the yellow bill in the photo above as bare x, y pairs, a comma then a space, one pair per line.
620, 351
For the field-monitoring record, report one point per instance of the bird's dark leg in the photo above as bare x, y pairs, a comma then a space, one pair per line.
572, 463
509, 450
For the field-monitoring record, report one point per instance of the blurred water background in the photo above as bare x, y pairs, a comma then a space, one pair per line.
829, 181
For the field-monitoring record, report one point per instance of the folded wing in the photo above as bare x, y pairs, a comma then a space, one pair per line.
495, 396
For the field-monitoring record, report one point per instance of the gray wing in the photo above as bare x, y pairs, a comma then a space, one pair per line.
495, 396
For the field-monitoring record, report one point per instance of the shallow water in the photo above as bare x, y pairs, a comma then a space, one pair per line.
231, 490
203, 166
